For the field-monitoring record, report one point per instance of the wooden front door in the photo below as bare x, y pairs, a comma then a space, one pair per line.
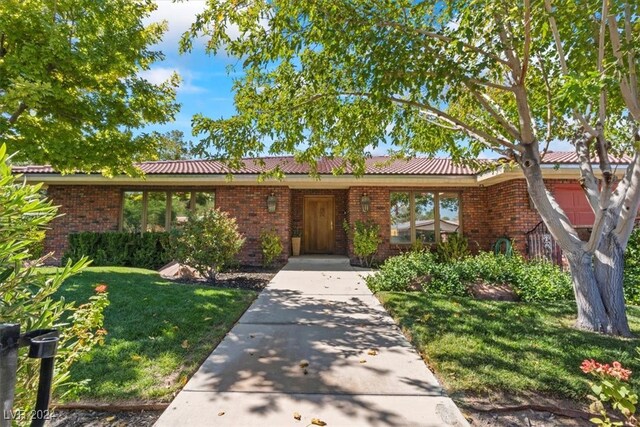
318, 236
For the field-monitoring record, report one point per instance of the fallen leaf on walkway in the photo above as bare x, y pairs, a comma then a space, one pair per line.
109, 419
363, 361
252, 336
220, 414
304, 364
297, 416
318, 422
372, 352
185, 344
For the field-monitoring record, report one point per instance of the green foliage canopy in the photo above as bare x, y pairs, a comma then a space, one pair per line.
71, 94
342, 77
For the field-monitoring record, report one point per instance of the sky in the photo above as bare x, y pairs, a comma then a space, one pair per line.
206, 85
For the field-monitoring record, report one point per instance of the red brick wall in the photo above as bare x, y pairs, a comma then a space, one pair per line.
84, 208
340, 197
487, 213
509, 212
248, 204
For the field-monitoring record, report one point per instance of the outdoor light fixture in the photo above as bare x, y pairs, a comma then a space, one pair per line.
365, 203
271, 203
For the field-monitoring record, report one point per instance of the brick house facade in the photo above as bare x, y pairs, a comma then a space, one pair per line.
489, 206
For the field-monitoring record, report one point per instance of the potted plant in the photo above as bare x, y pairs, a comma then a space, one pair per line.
295, 242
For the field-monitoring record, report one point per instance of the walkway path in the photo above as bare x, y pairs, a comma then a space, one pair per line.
316, 343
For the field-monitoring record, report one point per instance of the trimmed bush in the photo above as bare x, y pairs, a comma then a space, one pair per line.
208, 242
366, 239
271, 247
532, 281
146, 250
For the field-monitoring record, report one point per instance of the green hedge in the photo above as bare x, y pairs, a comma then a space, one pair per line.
632, 269
531, 280
146, 250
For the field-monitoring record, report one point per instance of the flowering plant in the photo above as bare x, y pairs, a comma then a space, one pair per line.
611, 388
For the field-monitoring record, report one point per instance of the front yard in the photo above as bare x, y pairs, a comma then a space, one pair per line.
491, 349
158, 332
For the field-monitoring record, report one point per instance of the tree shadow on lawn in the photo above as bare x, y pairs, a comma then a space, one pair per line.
479, 346
158, 332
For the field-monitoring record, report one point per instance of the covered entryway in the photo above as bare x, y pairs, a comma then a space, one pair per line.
318, 236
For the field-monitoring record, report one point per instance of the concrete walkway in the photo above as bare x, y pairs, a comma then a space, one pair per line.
316, 342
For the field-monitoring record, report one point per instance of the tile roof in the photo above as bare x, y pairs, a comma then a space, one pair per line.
373, 166
380, 165
570, 157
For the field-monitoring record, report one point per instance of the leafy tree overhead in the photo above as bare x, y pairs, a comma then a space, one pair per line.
335, 77
70, 90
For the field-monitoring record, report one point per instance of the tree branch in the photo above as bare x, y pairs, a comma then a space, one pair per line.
482, 99
633, 76
443, 38
588, 180
489, 140
630, 202
603, 26
527, 40
563, 64
631, 101
22, 107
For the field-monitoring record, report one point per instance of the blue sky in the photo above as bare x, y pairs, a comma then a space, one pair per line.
206, 85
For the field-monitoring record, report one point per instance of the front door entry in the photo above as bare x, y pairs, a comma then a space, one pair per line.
318, 236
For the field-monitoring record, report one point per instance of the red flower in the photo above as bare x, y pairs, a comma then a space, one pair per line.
588, 366
101, 288
616, 371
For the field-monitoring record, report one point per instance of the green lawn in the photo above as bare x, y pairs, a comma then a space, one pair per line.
159, 332
477, 347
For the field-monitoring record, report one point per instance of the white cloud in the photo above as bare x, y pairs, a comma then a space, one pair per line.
159, 75
179, 17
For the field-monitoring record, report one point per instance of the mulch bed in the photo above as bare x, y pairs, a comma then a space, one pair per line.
245, 277
87, 418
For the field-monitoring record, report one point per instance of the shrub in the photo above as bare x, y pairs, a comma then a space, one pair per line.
454, 248
208, 242
26, 291
146, 250
398, 272
271, 246
532, 281
632, 269
366, 239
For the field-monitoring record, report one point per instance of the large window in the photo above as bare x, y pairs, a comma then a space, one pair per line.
160, 210
423, 216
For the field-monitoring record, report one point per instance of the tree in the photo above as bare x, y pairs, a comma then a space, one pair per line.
173, 146
334, 77
71, 93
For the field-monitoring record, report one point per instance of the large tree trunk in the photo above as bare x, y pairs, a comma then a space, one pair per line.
597, 284
597, 278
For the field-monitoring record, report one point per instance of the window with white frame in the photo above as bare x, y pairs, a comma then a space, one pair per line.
155, 210
424, 216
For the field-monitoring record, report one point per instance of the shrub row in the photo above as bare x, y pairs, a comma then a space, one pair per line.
419, 270
146, 250
632, 269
